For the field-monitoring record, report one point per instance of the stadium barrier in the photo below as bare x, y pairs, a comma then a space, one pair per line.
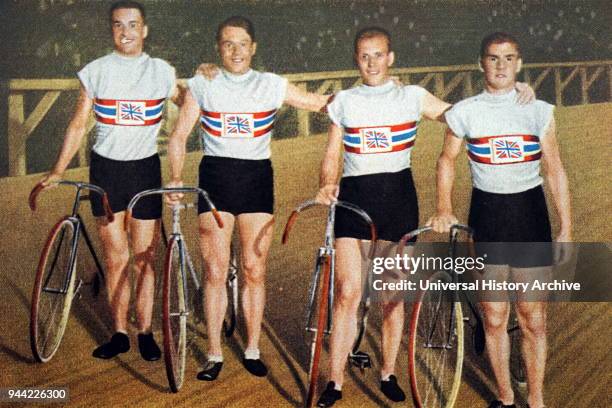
451, 83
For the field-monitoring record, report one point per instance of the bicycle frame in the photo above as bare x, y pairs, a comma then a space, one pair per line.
176, 234
78, 225
184, 258
327, 250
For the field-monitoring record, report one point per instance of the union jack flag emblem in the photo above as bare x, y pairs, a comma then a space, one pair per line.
237, 125
130, 111
506, 149
376, 139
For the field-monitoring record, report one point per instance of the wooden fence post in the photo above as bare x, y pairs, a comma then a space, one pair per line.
303, 116
16, 135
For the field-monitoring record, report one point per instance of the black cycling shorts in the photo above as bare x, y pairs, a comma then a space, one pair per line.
237, 186
122, 180
517, 226
390, 199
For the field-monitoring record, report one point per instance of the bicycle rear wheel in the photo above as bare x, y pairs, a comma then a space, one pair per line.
174, 314
517, 366
436, 347
231, 314
53, 291
317, 341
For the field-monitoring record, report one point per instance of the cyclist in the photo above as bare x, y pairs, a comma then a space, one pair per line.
376, 123
236, 109
506, 145
126, 90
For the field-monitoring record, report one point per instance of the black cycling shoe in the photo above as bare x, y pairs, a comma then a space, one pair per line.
329, 396
148, 348
499, 404
119, 343
255, 367
392, 390
210, 372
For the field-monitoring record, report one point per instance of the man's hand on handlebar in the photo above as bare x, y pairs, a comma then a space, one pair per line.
328, 194
173, 198
442, 222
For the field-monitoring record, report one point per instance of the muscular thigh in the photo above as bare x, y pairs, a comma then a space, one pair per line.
529, 276
113, 235
348, 266
255, 231
215, 241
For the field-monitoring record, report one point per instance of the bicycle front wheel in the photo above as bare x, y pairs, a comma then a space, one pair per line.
436, 346
317, 341
174, 314
53, 291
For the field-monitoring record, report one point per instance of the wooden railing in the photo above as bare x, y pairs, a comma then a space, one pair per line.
451, 83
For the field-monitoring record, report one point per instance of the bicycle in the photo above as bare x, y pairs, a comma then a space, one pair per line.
322, 283
177, 305
55, 284
436, 343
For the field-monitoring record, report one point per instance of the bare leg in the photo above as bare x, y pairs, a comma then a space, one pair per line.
116, 257
255, 238
215, 247
346, 304
532, 321
393, 314
144, 239
392, 327
498, 346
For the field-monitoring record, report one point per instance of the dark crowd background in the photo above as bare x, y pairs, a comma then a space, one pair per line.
56, 38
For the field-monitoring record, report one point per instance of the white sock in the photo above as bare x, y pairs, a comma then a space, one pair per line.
215, 359
337, 387
251, 354
385, 377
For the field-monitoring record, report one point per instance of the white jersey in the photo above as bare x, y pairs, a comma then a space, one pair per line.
503, 140
238, 112
128, 95
379, 124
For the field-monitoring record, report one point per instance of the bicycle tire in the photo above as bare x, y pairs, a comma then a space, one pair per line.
435, 352
517, 365
174, 315
317, 341
52, 295
231, 314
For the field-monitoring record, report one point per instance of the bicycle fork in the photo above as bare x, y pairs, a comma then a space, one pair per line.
312, 292
450, 338
71, 262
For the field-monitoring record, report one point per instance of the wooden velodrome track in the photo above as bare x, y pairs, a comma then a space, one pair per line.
578, 371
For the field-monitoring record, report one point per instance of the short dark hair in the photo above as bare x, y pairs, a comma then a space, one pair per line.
371, 32
237, 21
498, 38
127, 4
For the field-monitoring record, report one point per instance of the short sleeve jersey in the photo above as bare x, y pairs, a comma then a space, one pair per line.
502, 140
128, 95
379, 126
237, 112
